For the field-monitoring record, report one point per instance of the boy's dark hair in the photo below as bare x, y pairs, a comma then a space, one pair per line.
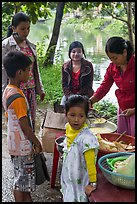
77, 100
117, 45
76, 44
14, 61
16, 20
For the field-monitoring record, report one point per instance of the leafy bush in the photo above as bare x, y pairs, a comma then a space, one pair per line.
51, 78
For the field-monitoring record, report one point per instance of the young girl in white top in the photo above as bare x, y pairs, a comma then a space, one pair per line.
79, 175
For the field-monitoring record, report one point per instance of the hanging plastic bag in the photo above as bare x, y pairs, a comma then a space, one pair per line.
41, 168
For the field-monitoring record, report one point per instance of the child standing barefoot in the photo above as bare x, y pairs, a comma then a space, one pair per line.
79, 175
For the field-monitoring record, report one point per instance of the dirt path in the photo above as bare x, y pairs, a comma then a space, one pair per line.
43, 193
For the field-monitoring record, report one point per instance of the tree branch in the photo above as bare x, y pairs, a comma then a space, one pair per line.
121, 19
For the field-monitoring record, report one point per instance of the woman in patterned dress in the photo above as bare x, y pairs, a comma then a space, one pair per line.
17, 40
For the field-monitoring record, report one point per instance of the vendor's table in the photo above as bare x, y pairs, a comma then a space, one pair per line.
107, 192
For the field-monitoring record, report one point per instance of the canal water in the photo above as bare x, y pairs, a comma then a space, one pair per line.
94, 45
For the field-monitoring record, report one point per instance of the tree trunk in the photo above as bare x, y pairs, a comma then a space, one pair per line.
129, 19
49, 57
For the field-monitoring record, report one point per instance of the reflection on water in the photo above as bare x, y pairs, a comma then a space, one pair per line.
101, 69
94, 45
93, 41
99, 43
110, 95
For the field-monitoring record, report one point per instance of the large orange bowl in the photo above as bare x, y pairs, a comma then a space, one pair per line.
112, 137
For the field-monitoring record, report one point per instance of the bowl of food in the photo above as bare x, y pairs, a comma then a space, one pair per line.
109, 143
59, 143
97, 121
104, 126
122, 174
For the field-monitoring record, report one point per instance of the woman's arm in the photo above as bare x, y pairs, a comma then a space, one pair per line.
129, 112
103, 88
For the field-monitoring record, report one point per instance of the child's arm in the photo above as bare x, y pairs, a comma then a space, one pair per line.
27, 130
91, 168
20, 108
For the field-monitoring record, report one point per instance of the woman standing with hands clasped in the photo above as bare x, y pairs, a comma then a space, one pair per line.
77, 73
121, 71
17, 41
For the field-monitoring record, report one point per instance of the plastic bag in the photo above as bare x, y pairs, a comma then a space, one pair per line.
127, 167
41, 169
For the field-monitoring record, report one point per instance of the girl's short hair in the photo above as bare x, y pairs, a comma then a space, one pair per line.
76, 44
117, 45
77, 100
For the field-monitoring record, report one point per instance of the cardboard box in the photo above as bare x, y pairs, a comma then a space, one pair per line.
54, 125
48, 138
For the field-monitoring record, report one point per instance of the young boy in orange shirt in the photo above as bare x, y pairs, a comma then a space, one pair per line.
20, 135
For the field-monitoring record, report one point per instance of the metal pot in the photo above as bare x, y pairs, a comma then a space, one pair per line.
59, 143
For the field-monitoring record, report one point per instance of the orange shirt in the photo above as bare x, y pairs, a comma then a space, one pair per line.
18, 143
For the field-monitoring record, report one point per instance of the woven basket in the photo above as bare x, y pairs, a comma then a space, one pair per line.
120, 180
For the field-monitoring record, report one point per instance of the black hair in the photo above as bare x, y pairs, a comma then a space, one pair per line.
76, 44
14, 61
77, 100
117, 45
16, 20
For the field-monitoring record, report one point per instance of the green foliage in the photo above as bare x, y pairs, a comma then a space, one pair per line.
51, 78
59, 55
9, 8
41, 51
106, 109
6, 21
115, 8
34, 10
51, 75
118, 27
106, 25
7, 12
